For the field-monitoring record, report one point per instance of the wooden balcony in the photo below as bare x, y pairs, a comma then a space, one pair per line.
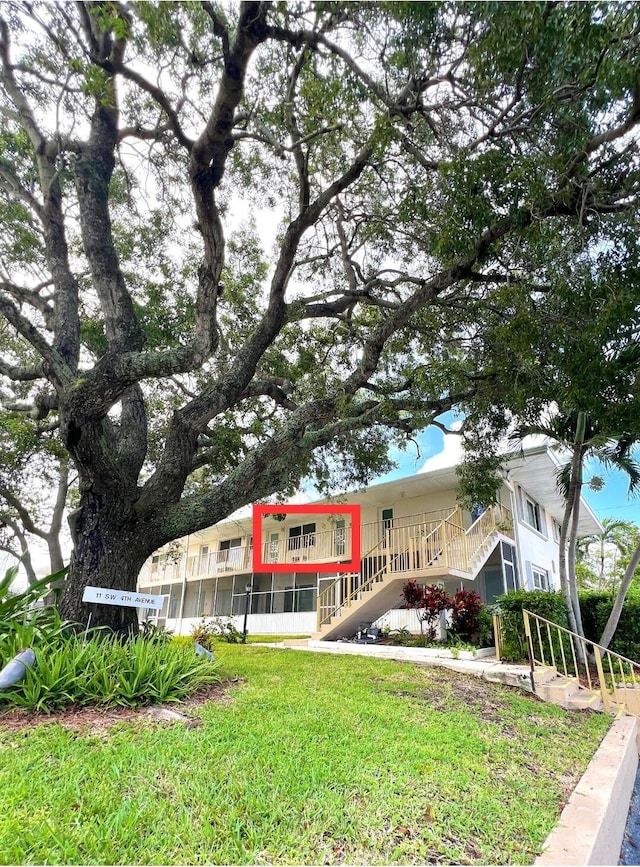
428, 544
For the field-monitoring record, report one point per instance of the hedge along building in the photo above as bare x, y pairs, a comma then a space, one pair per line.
411, 528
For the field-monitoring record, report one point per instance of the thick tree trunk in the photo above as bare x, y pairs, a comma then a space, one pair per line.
110, 547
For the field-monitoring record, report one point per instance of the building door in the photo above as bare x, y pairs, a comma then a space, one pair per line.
509, 566
340, 537
493, 585
274, 547
204, 560
386, 525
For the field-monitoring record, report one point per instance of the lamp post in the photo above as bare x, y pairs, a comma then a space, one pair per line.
247, 590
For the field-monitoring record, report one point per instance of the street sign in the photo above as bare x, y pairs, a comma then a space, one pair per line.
106, 596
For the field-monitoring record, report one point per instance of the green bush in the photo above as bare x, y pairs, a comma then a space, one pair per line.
400, 637
466, 605
153, 632
551, 606
485, 628
21, 624
596, 608
219, 628
107, 671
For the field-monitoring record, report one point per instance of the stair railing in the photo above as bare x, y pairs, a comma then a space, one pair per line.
401, 549
615, 677
342, 589
494, 518
410, 548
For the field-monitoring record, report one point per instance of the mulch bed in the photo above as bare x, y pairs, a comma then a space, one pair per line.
94, 718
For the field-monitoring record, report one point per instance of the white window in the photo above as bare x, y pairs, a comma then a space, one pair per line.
228, 544
532, 514
556, 531
540, 578
303, 536
158, 561
230, 554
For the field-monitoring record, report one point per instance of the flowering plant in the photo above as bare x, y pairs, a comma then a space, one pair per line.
465, 607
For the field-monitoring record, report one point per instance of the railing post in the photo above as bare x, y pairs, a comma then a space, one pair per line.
604, 692
527, 632
445, 555
466, 560
497, 637
349, 587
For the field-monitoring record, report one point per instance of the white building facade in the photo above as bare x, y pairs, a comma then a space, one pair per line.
411, 528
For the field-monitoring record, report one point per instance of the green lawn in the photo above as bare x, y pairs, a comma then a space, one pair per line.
313, 759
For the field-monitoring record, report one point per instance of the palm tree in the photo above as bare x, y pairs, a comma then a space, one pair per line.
618, 537
584, 439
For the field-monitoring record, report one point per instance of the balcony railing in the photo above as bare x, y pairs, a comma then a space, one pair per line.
326, 546
409, 543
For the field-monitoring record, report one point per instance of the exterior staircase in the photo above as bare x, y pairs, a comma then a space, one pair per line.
566, 692
576, 673
424, 552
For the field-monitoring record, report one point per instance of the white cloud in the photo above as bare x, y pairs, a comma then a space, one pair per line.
451, 454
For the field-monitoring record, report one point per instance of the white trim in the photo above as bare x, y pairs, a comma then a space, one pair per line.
543, 575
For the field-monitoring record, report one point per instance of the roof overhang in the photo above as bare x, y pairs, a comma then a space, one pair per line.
536, 470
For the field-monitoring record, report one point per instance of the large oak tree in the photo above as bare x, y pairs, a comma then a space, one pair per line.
404, 171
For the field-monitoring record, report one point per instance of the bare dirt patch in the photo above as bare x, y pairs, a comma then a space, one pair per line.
96, 719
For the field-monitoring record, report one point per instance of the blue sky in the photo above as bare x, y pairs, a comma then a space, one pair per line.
612, 501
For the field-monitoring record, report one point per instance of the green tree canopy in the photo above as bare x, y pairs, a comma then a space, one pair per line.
419, 179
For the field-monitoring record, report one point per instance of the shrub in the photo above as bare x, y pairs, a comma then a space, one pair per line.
435, 600
548, 605
465, 608
413, 594
400, 637
154, 632
21, 624
596, 608
432, 600
485, 627
108, 671
218, 628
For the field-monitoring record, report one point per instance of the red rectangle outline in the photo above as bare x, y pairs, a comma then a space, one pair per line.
352, 565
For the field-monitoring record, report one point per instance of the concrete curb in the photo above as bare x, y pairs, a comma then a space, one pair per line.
591, 826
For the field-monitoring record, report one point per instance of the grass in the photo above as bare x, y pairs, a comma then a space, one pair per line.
314, 759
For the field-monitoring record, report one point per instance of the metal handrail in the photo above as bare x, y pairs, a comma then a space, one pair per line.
446, 542
619, 688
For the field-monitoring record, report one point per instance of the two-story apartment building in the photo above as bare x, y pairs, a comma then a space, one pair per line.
409, 528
